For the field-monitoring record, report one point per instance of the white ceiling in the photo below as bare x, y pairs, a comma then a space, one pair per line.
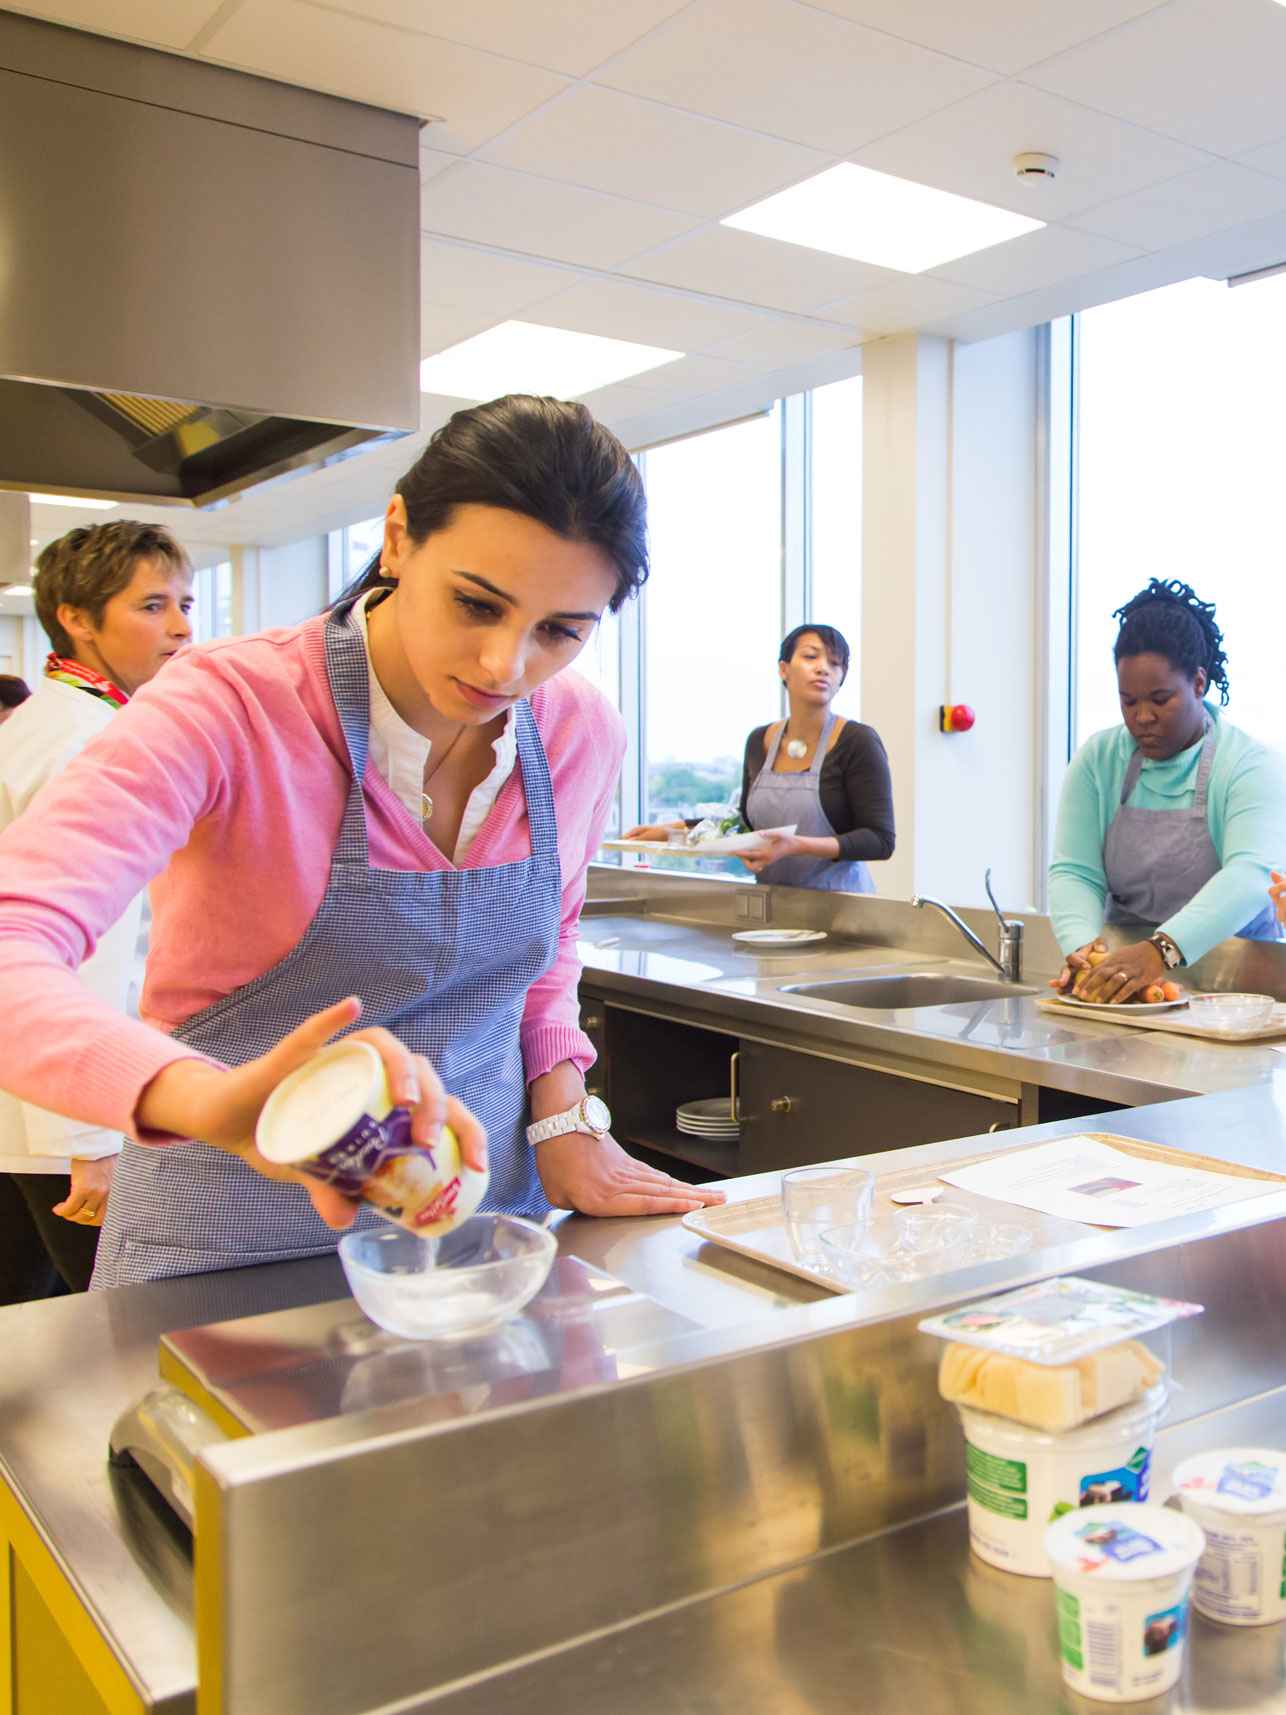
582, 152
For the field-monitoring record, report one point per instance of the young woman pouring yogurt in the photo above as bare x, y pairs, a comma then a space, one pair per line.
383, 814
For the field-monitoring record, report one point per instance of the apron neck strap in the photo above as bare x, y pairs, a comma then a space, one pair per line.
1135, 768
819, 755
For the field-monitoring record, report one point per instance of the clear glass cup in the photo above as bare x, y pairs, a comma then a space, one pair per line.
816, 1198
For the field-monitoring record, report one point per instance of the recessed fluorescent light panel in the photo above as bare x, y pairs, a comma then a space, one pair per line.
523, 357
872, 217
71, 500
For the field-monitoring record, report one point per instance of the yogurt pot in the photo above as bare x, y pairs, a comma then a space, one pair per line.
1238, 1497
334, 1119
1021, 1479
1122, 1574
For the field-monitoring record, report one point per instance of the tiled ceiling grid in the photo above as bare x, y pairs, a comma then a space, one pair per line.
582, 153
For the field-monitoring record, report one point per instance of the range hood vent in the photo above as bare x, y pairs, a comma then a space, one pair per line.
208, 279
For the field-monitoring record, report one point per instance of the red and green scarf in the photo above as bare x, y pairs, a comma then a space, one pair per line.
69, 672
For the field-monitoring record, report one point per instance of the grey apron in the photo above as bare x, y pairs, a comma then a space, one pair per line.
777, 800
1157, 861
442, 958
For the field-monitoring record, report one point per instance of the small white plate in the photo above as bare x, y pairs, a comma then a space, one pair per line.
778, 937
727, 845
1116, 1011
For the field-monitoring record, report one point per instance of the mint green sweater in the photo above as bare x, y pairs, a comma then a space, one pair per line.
1247, 813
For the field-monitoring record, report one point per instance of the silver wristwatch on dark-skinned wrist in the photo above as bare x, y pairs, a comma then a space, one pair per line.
1171, 956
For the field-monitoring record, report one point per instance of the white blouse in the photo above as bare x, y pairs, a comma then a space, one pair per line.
401, 754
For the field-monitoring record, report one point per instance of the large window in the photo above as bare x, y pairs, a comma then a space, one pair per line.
212, 612
713, 611
835, 515
1180, 476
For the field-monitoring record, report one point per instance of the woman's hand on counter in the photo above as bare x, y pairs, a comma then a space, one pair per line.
777, 846
221, 1105
595, 1176
1092, 953
1277, 893
1124, 974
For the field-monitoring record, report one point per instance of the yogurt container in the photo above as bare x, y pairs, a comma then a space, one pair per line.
1238, 1497
334, 1119
1021, 1479
1122, 1575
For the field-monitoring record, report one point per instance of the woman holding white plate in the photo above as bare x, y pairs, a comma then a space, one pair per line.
827, 776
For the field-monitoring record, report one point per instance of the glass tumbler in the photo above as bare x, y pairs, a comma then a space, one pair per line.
816, 1198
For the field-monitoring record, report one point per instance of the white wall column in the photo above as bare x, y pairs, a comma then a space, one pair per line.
15, 539
951, 573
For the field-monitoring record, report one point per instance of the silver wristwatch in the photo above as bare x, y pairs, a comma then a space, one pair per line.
1171, 957
590, 1115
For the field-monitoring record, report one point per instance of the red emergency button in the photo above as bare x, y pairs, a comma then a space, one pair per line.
955, 717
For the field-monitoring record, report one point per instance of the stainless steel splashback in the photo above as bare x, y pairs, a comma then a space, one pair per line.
208, 279
413, 1554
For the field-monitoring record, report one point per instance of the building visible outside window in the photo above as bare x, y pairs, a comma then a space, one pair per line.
713, 611
1180, 476
835, 480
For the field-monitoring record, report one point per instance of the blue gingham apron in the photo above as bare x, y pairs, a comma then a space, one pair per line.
442, 958
776, 800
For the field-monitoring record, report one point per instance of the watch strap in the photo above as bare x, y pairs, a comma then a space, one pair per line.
1171, 956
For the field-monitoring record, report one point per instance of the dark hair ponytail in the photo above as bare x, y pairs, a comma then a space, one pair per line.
1170, 619
544, 458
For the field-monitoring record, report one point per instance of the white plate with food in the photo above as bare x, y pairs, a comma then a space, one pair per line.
725, 845
1117, 1008
778, 937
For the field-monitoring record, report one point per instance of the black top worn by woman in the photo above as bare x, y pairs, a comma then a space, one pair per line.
856, 790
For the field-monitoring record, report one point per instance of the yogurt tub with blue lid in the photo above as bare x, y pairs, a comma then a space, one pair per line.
1238, 1497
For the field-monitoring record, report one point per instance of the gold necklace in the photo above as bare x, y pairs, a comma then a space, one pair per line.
426, 803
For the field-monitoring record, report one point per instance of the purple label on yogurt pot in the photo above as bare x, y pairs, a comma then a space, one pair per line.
1247, 1479
353, 1160
1118, 1542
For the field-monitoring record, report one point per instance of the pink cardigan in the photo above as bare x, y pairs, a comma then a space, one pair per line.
225, 779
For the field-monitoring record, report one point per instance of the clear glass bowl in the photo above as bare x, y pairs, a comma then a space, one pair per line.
462, 1284
1231, 1011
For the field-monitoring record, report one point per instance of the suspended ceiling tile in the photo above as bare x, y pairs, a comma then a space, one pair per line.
476, 94
970, 147
1209, 72
915, 301
743, 266
1035, 260
685, 378
1240, 249
1002, 34
613, 142
433, 162
158, 23
492, 205
650, 315
1220, 195
463, 291
1270, 158
791, 70
778, 341
565, 35
1098, 286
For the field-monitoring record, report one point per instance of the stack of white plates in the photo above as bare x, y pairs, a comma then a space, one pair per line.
711, 1119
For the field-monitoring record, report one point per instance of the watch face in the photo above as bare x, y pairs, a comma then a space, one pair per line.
598, 1113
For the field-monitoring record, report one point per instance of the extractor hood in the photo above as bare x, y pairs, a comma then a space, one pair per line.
206, 278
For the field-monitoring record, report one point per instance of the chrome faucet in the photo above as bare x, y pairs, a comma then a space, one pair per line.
1010, 963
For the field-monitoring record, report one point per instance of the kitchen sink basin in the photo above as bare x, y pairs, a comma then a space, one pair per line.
913, 988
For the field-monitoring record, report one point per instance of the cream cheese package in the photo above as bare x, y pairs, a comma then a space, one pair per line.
1057, 1321
1019, 1480
1046, 1396
1238, 1497
1122, 1577
334, 1119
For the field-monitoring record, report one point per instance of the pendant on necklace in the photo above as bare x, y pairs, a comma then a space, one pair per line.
426, 807
796, 748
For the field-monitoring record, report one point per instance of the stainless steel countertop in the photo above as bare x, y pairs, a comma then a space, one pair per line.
698, 968
905, 1623
73, 1365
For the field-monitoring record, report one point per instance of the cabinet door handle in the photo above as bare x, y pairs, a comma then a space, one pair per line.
592, 1021
734, 1072
780, 1105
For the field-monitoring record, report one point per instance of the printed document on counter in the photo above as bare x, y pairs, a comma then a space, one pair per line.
1082, 1178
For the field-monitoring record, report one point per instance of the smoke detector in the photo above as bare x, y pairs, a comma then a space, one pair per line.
1036, 168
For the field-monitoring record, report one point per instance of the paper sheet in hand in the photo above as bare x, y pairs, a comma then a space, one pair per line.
1082, 1179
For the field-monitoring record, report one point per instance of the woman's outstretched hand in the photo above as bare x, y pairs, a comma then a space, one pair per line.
221, 1105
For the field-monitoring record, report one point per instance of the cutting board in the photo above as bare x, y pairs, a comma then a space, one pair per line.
1175, 1023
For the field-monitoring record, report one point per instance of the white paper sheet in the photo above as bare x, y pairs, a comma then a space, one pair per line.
1081, 1178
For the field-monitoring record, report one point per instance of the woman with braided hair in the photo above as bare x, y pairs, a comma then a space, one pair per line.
1169, 824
